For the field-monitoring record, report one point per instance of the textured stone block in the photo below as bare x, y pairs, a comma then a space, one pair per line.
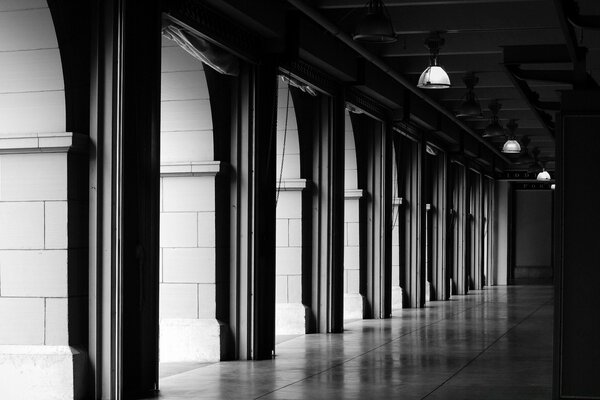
295, 232
33, 273
351, 257
353, 306
42, 373
294, 288
281, 287
188, 193
22, 321
288, 260
207, 300
197, 340
290, 319
186, 146
192, 265
281, 233
351, 210
206, 229
178, 300
353, 232
55, 227
353, 281
289, 205
29, 177
57, 322
22, 225
178, 230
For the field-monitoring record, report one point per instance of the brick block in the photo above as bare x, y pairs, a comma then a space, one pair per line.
40, 176
22, 225
351, 210
55, 229
33, 273
294, 288
193, 193
350, 179
288, 260
291, 166
178, 300
353, 281
22, 321
206, 229
207, 300
353, 234
289, 205
186, 146
281, 294
57, 322
292, 145
351, 257
281, 233
185, 115
295, 232
178, 230
189, 265
183, 85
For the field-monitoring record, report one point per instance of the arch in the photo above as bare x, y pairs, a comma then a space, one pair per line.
290, 312
189, 328
32, 90
353, 299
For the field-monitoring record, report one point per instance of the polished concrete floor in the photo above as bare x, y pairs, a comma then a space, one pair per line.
491, 344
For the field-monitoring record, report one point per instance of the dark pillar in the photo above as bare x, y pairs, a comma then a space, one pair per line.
577, 326
374, 157
459, 227
438, 215
124, 198
476, 231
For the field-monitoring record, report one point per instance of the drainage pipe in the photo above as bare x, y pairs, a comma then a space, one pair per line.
317, 17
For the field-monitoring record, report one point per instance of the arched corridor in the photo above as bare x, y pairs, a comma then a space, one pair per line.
226, 199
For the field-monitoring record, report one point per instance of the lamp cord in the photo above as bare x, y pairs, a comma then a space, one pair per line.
287, 110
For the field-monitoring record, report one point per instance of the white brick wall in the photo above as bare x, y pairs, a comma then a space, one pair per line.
187, 220
22, 320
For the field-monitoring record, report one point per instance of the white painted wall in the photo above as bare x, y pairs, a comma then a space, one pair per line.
37, 209
353, 300
501, 235
188, 328
290, 313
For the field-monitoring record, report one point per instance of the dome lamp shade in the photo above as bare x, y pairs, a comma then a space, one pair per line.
434, 76
376, 26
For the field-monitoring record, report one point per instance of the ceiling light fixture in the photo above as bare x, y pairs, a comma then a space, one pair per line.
434, 76
543, 176
511, 146
470, 107
376, 26
494, 129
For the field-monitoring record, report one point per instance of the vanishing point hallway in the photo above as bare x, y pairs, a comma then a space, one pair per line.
491, 344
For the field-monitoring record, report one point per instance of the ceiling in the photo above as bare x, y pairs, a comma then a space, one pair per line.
519, 49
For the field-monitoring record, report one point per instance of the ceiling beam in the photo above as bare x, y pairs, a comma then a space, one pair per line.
406, 3
460, 17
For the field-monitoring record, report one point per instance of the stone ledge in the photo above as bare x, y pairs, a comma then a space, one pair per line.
42, 372
353, 193
194, 168
292, 185
60, 142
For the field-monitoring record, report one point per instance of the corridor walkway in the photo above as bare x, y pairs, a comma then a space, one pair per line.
491, 344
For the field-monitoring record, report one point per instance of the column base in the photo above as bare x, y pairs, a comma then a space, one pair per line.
354, 306
42, 372
396, 297
290, 319
199, 340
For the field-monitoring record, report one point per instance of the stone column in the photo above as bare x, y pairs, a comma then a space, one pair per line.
43, 265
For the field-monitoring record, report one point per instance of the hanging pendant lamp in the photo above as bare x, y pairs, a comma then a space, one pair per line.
376, 26
494, 129
543, 175
434, 76
470, 107
511, 146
